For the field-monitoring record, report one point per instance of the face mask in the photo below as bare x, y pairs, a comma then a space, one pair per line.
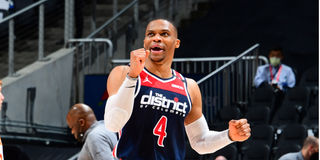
274, 61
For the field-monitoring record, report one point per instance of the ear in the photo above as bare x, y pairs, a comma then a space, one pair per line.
177, 43
82, 122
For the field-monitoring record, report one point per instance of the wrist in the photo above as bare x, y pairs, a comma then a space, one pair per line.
131, 78
229, 136
132, 74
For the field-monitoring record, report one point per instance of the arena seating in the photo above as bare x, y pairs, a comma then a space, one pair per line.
272, 135
230, 152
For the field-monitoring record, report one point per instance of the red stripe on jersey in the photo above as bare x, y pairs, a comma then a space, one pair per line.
114, 151
115, 147
175, 84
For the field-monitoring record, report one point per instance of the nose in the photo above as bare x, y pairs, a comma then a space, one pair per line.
157, 38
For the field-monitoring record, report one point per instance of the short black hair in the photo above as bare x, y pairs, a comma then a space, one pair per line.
276, 48
168, 20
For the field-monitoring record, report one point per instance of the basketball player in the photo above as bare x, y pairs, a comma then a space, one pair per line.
1, 101
153, 115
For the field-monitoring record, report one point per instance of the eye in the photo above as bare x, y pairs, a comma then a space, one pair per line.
150, 34
165, 34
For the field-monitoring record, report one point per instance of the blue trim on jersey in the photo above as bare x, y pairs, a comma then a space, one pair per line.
186, 86
159, 78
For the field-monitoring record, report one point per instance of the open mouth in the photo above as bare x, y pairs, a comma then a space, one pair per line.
156, 49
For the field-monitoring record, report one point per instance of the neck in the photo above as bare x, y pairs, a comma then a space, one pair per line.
161, 69
305, 154
89, 124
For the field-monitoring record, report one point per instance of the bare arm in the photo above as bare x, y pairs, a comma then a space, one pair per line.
116, 78
196, 100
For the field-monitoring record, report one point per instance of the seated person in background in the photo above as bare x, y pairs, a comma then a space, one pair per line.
276, 74
98, 142
220, 158
310, 146
4, 7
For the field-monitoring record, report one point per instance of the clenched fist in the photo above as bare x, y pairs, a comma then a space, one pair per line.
239, 130
137, 61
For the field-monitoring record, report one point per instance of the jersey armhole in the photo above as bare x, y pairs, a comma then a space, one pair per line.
138, 86
184, 80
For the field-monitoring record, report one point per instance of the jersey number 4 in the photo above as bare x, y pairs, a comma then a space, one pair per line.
160, 130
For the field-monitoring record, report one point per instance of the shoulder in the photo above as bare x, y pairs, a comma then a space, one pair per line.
118, 72
263, 66
191, 82
101, 134
123, 69
193, 87
99, 141
286, 67
289, 156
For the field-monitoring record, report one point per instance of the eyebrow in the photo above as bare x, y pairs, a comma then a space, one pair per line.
163, 30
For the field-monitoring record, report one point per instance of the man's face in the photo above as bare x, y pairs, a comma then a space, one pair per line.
160, 39
316, 148
75, 127
275, 57
1, 97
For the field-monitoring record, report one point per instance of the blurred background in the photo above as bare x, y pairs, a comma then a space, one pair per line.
55, 53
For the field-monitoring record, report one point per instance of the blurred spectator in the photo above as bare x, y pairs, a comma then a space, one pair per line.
220, 158
310, 147
98, 142
276, 74
4, 7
